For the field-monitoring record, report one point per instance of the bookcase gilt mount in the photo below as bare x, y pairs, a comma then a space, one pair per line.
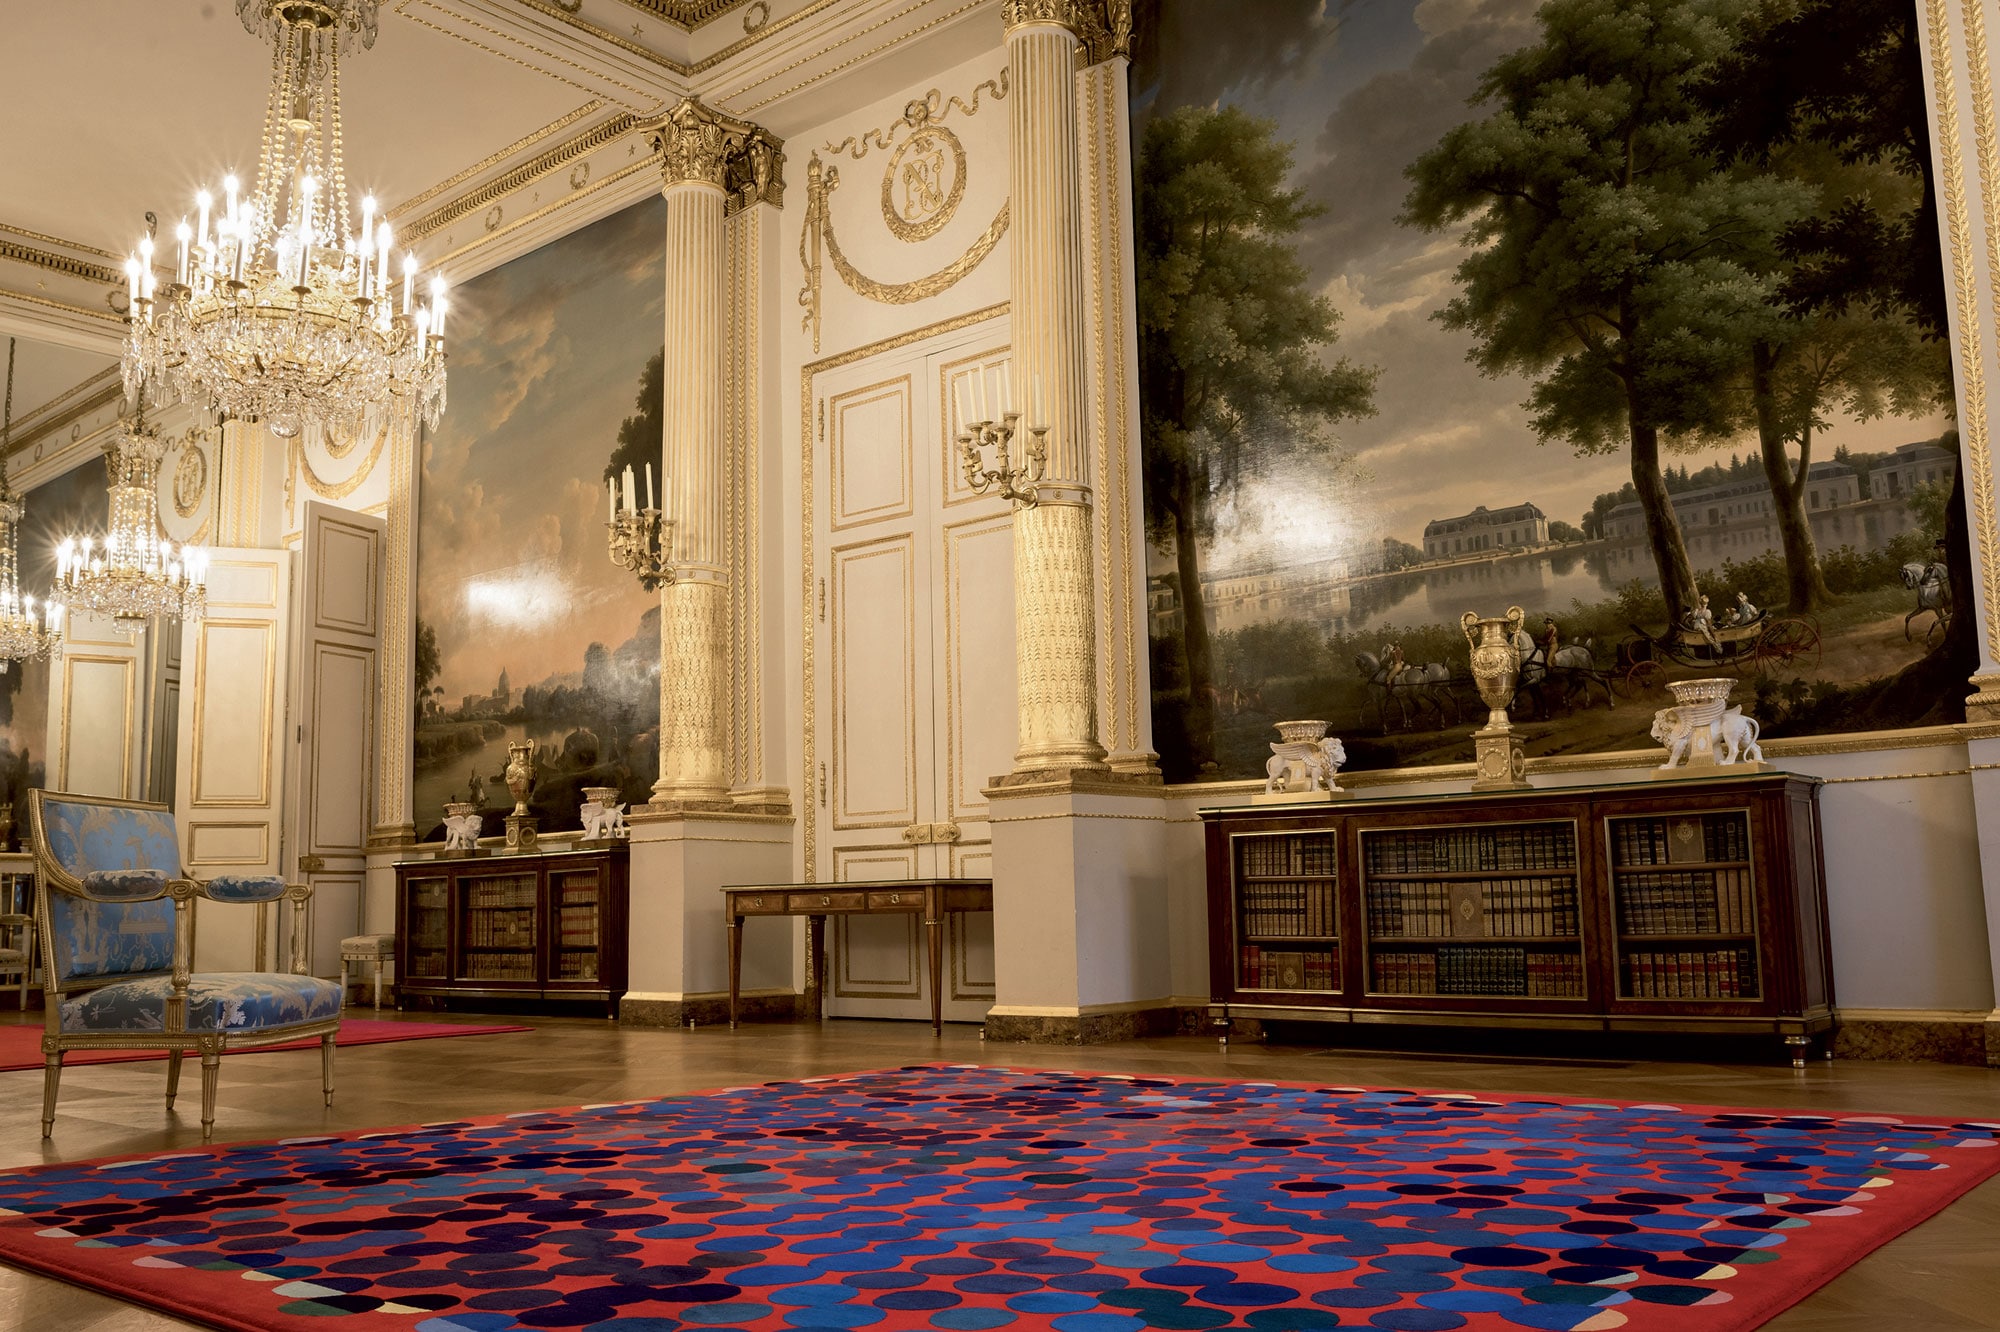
1693, 906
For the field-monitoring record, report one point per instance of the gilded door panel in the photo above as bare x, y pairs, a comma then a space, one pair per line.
874, 686
981, 729
337, 631
869, 453
229, 783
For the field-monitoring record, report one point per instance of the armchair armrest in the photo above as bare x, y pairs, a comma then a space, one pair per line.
129, 885
243, 888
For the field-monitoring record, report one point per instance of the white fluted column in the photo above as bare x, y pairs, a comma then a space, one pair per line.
1054, 591
707, 160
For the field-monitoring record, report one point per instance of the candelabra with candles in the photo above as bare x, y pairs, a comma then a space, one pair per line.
28, 632
283, 311
641, 540
133, 572
982, 435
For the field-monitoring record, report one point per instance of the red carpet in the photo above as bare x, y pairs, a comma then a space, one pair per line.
21, 1043
964, 1198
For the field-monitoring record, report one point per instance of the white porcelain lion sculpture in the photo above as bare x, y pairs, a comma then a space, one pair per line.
1732, 736
601, 821
1321, 763
461, 832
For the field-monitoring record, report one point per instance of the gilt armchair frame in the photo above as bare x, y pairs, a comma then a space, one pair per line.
52, 877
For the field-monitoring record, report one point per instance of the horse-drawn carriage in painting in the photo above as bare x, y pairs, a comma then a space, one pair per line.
1763, 643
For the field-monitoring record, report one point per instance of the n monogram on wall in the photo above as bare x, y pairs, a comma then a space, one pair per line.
922, 186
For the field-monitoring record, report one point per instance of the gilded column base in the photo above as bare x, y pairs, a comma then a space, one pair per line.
1502, 763
1984, 703
1055, 639
1137, 762
694, 692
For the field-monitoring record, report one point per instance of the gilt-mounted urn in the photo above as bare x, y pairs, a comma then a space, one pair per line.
520, 775
1496, 670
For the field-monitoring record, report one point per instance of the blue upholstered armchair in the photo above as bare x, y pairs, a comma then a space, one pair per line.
116, 915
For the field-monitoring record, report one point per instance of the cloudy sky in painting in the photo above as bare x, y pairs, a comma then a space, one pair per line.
1362, 88
512, 569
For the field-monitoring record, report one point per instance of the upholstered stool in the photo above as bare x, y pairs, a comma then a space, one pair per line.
379, 949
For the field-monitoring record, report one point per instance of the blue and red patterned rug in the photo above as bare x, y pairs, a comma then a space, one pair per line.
963, 1198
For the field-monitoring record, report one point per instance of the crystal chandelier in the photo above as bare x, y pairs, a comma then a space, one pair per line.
280, 309
27, 632
133, 572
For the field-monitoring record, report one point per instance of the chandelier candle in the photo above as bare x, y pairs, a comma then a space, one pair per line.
135, 573
286, 318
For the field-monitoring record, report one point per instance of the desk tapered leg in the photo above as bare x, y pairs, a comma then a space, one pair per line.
735, 965
816, 968
933, 929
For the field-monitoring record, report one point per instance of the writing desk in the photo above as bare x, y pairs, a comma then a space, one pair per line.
931, 898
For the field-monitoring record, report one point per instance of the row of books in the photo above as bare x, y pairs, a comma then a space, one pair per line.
576, 966
1703, 902
1503, 972
1288, 853
500, 927
1479, 908
1284, 909
1264, 969
427, 966
1685, 840
576, 920
500, 966
513, 891
1534, 846
1730, 973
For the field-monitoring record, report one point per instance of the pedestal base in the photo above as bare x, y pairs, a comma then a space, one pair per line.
456, 853
521, 835
1300, 797
1502, 763
596, 843
1710, 770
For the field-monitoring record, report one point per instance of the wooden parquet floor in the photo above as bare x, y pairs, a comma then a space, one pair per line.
111, 1109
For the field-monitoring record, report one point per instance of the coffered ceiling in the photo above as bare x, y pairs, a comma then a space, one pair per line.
486, 127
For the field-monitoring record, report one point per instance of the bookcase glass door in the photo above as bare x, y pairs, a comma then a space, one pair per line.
1684, 905
497, 928
577, 898
1485, 911
1287, 911
429, 930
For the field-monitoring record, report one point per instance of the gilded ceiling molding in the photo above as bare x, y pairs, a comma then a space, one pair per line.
698, 143
856, 59
555, 159
60, 263
492, 160
816, 240
686, 15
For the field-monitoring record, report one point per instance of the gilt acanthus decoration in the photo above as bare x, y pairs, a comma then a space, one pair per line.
698, 143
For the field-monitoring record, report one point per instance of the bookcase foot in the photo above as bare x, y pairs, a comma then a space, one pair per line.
1799, 1045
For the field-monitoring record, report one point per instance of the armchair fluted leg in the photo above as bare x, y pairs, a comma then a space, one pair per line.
326, 1065
51, 1078
211, 1065
173, 1076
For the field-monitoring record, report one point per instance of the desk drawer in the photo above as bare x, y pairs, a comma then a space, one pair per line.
814, 903
759, 904
896, 899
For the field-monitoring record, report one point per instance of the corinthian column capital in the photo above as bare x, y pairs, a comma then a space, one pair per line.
1019, 13
699, 144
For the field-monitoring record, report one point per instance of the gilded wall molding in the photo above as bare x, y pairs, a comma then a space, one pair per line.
933, 108
817, 242
67, 265
338, 490
1978, 444
555, 159
813, 788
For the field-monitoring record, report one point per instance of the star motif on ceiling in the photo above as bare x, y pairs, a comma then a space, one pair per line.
637, 31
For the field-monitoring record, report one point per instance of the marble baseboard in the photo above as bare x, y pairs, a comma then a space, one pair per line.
708, 1010
1921, 1040
1093, 1028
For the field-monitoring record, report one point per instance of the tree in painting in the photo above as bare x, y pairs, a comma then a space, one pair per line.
1608, 251
642, 435
1232, 343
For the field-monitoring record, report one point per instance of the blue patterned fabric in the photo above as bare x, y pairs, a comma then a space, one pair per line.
124, 885
82, 836
244, 888
217, 1001
109, 938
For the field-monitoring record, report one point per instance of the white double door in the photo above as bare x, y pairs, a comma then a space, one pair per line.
914, 666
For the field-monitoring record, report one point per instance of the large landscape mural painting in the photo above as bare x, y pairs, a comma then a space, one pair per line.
526, 631
1627, 312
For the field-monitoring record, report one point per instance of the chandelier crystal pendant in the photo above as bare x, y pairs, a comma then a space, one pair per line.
28, 632
133, 572
281, 310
